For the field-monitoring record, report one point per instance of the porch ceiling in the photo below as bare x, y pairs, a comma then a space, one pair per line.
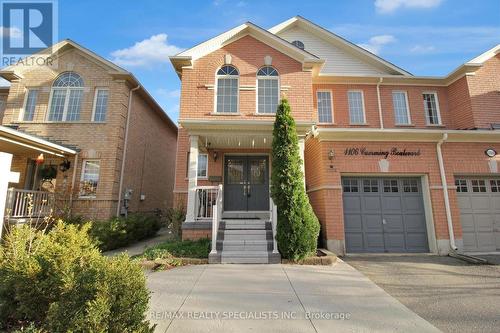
19, 143
243, 134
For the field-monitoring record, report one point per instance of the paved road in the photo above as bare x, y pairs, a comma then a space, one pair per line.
275, 298
452, 295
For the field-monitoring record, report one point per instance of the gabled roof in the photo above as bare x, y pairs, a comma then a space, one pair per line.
9, 73
336, 40
482, 58
187, 57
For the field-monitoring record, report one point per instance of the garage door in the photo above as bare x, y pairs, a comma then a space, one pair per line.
479, 202
384, 215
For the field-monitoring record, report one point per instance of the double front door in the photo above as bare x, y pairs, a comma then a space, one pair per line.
246, 183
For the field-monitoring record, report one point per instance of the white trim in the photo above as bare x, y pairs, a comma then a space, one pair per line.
95, 104
34, 139
362, 104
438, 110
331, 104
217, 77
82, 173
409, 123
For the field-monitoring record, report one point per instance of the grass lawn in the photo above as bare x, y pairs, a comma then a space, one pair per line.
180, 249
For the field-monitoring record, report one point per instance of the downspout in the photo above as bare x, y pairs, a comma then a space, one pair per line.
124, 156
73, 180
445, 192
381, 118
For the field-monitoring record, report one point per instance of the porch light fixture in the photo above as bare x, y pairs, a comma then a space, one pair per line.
331, 154
215, 155
40, 159
490, 152
65, 165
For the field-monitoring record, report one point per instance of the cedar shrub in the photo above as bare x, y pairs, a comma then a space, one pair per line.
298, 227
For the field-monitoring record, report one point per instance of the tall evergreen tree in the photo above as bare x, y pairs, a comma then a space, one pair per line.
298, 226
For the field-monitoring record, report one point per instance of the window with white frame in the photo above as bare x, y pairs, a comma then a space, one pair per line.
401, 110
325, 114
431, 107
66, 98
202, 165
227, 89
90, 178
30, 104
356, 107
100, 104
268, 91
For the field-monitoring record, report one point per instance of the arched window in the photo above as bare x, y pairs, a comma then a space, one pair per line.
268, 91
66, 98
227, 89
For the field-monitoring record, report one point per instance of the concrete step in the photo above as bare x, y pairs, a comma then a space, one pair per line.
241, 226
245, 257
247, 215
246, 235
244, 221
245, 245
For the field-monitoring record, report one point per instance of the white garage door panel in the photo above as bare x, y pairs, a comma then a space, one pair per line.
479, 213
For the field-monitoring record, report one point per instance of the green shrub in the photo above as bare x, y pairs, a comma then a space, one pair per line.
183, 249
59, 282
120, 231
175, 217
298, 226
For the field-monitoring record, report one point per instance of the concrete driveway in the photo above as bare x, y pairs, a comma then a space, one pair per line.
275, 298
451, 294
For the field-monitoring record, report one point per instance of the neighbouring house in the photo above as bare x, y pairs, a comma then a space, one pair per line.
393, 162
85, 136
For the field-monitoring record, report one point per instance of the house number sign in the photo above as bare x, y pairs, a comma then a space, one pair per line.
394, 151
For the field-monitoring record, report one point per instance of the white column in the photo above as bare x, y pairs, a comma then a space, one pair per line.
5, 163
302, 146
193, 178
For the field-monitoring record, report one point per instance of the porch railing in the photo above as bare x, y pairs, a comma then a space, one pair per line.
205, 200
26, 203
273, 214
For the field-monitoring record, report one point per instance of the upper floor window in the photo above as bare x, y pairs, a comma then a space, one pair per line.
325, 114
299, 44
66, 98
431, 107
227, 89
356, 107
401, 110
268, 94
100, 105
29, 105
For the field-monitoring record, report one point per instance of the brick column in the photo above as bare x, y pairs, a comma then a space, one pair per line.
193, 178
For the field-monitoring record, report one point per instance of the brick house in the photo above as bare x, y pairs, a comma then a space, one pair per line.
393, 162
123, 143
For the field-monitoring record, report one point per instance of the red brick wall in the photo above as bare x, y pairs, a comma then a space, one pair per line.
484, 88
460, 104
414, 93
247, 56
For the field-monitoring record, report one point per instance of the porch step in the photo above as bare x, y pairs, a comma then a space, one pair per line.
245, 257
246, 234
245, 225
245, 215
245, 245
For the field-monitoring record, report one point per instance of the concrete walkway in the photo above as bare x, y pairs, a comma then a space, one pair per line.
275, 298
139, 247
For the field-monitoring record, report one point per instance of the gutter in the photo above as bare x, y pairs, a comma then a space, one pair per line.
381, 118
445, 192
125, 144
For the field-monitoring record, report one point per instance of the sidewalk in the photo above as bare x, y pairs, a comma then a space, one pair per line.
138, 248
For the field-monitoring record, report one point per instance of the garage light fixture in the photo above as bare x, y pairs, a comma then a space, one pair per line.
490, 152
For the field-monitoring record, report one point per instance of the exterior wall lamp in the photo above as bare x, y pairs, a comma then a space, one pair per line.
490, 152
215, 155
331, 154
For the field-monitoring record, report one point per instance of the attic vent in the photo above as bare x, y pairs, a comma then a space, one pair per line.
299, 44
